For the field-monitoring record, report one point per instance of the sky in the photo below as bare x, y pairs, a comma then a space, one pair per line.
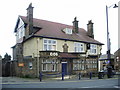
62, 11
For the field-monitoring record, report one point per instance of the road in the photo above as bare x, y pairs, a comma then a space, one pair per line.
96, 83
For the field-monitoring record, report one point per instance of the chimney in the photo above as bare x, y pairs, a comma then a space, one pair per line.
30, 19
90, 32
75, 25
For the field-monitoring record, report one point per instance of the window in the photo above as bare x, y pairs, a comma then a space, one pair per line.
30, 65
75, 67
49, 44
88, 66
78, 65
20, 31
93, 49
44, 67
53, 67
68, 30
44, 61
83, 68
49, 65
95, 66
79, 47
95, 61
87, 61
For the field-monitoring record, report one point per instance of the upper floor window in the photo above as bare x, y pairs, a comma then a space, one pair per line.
49, 44
93, 49
68, 30
20, 29
79, 47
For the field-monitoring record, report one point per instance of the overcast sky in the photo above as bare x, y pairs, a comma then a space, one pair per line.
62, 11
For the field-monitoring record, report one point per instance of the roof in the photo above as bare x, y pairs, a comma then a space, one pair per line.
104, 57
117, 53
54, 30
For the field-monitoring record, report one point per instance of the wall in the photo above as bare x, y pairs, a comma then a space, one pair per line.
32, 47
25, 71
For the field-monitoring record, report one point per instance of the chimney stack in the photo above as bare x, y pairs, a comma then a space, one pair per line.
75, 25
30, 19
90, 32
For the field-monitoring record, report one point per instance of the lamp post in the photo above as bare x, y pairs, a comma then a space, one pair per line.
108, 38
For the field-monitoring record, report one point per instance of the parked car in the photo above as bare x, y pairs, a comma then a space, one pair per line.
100, 75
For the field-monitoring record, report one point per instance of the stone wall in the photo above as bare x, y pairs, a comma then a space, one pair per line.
26, 68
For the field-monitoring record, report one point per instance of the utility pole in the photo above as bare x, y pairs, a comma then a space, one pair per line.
108, 38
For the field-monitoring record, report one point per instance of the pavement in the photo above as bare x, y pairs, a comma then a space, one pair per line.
13, 82
66, 78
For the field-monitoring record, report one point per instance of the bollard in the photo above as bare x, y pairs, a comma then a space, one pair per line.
62, 76
79, 76
40, 76
90, 75
69, 75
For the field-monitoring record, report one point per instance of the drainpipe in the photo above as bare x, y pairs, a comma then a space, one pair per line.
37, 58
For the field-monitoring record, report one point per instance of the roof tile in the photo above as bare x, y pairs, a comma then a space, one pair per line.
53, 29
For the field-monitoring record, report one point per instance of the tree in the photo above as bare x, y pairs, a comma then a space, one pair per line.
7, 57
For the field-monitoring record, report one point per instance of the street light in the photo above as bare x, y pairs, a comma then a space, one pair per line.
108, 38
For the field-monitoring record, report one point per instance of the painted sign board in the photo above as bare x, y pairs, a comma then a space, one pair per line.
21, 64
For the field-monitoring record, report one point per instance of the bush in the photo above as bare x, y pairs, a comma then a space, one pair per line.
27, 76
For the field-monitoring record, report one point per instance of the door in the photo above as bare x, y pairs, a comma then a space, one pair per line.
64, 68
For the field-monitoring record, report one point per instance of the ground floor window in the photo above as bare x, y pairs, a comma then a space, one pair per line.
30, 65
78, 65
84, 64
91, 63
49, 65
44, 67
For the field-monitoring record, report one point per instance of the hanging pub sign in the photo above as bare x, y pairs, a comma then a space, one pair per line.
21, 64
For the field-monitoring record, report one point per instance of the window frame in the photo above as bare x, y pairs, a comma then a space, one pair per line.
93, 49
78, 65
68, 31
50, 65
78, 47
51, 45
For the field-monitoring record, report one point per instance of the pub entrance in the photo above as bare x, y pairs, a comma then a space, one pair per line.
64, 68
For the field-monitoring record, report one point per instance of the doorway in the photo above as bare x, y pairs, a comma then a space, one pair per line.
64, 68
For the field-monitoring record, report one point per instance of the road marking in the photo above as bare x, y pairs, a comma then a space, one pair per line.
97, 86
19, 83
117, 86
